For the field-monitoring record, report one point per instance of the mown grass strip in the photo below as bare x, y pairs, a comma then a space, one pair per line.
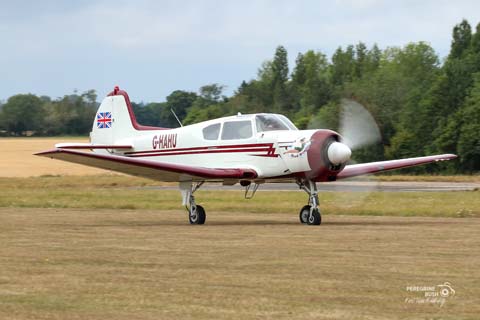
122, 192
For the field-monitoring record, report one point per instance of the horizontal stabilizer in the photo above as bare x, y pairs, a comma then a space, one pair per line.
90, 146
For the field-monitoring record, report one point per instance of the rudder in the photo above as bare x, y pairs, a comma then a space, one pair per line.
115, 120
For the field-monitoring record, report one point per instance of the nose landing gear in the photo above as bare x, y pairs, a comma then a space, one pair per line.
310, 214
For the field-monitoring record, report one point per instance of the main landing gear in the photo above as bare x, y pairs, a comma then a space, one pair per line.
196, 213
310, 214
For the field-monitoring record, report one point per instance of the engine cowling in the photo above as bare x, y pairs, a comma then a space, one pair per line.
327, 155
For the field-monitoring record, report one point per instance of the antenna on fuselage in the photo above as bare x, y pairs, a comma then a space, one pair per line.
178, 120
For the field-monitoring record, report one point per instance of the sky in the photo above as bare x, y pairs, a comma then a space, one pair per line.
151, 48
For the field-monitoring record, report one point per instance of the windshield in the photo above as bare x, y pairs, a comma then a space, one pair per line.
269, 122
287, 122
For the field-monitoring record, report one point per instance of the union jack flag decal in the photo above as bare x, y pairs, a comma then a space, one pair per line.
104, 120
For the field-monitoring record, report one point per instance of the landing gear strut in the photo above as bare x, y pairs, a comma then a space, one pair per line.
310, 214
196, 213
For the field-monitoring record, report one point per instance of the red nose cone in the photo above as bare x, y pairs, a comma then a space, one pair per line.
116, 89
317, 156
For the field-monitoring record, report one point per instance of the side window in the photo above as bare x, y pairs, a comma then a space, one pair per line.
211, 132
237, 130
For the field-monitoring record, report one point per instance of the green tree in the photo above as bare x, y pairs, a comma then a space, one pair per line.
311, 83
72, 115
373, 59
361, 60
279, 80
468, 146
209, 104
461, 132
212, 93
22, 113
392, 93
181, 101
298, 81
475, 46
452, 89
343, 65
462, 35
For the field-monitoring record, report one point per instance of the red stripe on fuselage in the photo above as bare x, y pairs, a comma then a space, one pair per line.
174, 153
266, 155
234, 146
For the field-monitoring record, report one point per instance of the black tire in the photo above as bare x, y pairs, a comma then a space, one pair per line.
304, 213
202, 216
315, 218
198, 217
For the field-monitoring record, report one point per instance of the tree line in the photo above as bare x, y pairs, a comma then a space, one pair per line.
422, 105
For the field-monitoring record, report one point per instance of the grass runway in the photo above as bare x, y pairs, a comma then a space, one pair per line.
96, 246
123, 192
143, 264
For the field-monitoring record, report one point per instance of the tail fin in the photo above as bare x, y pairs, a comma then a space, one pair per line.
115, 120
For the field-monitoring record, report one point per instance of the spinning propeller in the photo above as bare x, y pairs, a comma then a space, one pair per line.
358, 129
357, 125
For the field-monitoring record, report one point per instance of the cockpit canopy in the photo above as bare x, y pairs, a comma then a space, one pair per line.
243, 127
272, 122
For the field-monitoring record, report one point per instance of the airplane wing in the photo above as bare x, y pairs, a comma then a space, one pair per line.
149, 169
374, 167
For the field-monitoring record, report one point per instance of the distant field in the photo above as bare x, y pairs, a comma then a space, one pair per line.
17, 159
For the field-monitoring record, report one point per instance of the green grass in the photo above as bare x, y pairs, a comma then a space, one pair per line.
429, 178
122, 192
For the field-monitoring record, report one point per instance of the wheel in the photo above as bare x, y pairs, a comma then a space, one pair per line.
202, 216
315, 218
198, 215
304, 213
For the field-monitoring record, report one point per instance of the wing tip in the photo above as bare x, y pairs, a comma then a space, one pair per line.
47, 152
448, 156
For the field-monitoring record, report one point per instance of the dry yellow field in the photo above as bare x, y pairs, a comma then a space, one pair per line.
17, 159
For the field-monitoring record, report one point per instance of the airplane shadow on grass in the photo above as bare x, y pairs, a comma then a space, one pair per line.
325, 224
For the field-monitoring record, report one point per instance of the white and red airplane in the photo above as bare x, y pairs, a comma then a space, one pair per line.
249, 149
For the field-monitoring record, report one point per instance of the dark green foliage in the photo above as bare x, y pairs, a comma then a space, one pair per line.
462, 35
160, 114
71, 115
343, 64
462, 131
22, 113
279, 69
208, 105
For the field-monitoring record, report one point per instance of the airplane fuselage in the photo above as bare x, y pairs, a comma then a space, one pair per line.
272, 153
